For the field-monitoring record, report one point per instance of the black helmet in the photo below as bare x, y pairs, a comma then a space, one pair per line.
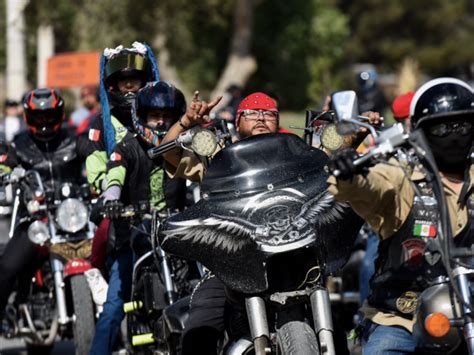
156, 95
124, 65
43, 110
441, 99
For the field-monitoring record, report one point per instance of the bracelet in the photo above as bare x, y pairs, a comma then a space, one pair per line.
181, 124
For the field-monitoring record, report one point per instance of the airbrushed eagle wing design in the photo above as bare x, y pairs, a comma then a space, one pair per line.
228, 233
322, 210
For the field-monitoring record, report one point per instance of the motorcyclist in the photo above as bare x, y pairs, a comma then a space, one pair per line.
371, 96
123, 72
385, 197
132, 177
52, 151
257, 114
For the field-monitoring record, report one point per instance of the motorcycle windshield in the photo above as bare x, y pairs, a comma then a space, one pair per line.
262, 196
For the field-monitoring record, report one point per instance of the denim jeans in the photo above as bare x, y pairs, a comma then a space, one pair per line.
367, 267
386, 340
108, 326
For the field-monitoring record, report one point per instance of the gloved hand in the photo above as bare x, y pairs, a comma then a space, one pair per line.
341, 164
111, 209
96, 211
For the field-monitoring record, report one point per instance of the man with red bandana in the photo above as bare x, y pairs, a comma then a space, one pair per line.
256, 114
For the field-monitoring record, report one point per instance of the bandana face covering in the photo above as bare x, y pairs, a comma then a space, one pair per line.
451, 152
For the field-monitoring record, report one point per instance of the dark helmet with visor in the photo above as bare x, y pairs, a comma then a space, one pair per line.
442, 99
157, 95
43, 110
125, 64
444, 109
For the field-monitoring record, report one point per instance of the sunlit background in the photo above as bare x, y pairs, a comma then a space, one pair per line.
299, 51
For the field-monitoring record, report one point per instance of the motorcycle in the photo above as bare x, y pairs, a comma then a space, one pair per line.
444, 311
269, 230
58, 300
161, 284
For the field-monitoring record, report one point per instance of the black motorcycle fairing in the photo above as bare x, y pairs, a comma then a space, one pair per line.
264, 195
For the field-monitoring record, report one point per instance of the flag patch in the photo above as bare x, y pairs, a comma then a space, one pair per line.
423, 229
94, 135
115, 156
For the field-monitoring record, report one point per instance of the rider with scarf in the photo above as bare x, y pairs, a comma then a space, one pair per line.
123, 71
402, 210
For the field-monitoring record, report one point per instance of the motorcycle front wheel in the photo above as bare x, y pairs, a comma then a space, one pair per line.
84, 324
296, 338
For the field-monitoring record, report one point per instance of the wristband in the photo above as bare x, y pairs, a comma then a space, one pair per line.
181, 124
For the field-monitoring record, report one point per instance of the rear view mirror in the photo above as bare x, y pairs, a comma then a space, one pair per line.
345, 107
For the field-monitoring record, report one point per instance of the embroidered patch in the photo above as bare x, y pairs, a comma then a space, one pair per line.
413, 251
424, 229
406, 303
94, 135
115, 156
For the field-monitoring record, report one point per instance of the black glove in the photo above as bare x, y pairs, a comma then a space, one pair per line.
341, 164
105, 209
96, 212
112, 209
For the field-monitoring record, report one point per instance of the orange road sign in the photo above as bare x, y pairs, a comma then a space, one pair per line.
67, 70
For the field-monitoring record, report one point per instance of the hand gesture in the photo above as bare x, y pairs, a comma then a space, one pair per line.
198, 111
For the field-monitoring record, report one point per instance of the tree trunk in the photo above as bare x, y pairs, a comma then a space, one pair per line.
240, 63
16, 51
44, 50
167, 70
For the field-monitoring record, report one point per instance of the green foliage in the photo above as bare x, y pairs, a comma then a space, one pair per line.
437, 33
299, 47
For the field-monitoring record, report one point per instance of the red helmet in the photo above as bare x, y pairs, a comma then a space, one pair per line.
43, 110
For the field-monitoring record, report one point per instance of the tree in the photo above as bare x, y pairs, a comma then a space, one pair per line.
438, 34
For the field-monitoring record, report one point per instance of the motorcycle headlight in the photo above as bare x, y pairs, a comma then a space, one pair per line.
204, 143
330, 138
72, 215
38, 232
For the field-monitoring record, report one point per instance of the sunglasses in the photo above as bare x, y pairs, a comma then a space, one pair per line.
443, 129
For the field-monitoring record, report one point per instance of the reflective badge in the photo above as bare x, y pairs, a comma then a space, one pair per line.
406, 303
94, 135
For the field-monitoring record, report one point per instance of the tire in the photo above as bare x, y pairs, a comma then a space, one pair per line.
84, 325
296, 338
38, 349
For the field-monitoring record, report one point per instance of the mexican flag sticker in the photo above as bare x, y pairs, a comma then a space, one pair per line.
424, 230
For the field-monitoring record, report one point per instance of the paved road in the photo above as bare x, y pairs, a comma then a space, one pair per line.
17, 347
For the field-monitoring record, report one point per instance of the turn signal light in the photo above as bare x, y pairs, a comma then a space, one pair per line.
437, 325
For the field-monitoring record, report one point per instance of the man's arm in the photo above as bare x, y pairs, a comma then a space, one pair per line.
383, 197
196, 114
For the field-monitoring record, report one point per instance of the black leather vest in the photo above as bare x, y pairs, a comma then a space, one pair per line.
56, 161
409, 262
